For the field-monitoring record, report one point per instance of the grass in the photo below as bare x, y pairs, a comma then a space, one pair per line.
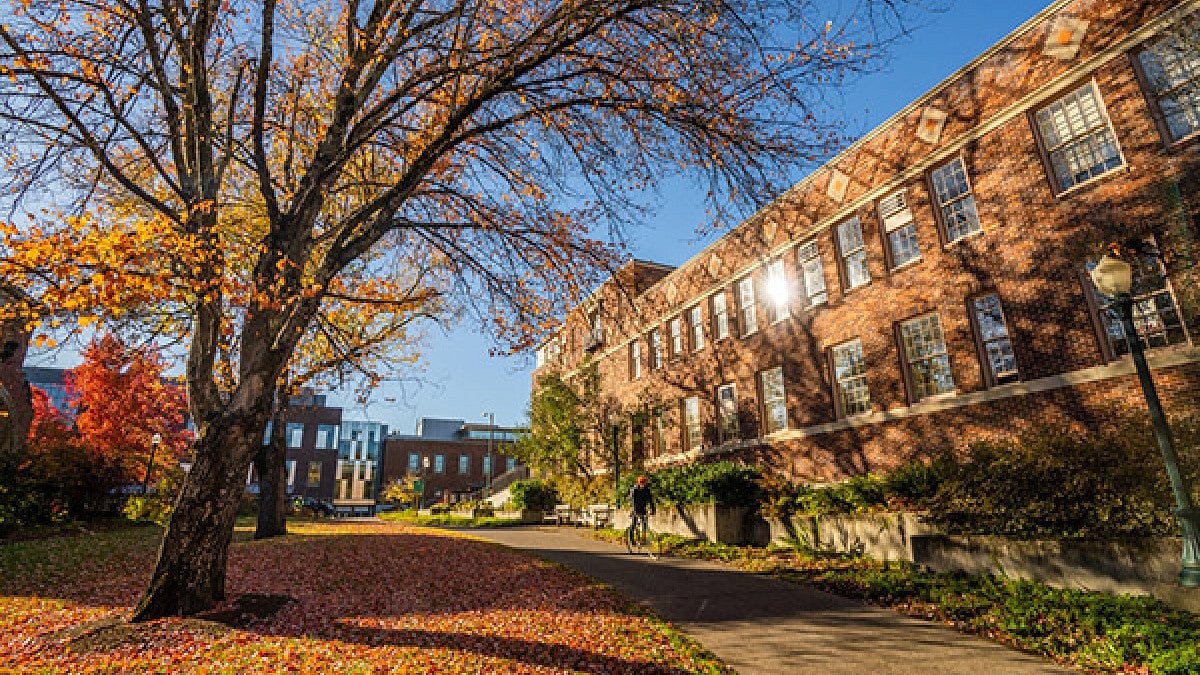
445, 520
328, 597
1095, 632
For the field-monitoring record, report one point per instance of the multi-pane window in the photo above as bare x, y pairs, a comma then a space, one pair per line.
676, 328
778, 293
656, 348
727, 413
774, 400
854, 253
850, 373
900, 229
746, 310
993, 334
812, 273
291, 474
314, 474
691, 422
510, 463
1155, 315
1078, 138
487, 465
414, 462
1172, 68
464, 465
696, 321
635, 360
924, 349
720, 316
327, 436
295, 434
439, 464
955, 201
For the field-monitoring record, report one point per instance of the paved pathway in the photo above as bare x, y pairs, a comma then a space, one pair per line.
762, 625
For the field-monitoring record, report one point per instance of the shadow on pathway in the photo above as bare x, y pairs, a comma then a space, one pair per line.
757, 624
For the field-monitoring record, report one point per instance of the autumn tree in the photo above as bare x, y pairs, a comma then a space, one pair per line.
220, 166
123, 402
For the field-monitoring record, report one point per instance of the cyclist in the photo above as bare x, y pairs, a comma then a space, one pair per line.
642, 500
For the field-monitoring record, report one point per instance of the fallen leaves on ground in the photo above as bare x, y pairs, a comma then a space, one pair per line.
361, 598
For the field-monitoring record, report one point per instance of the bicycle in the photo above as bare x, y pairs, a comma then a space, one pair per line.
640, 538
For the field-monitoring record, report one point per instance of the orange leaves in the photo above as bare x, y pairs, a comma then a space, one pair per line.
366, 598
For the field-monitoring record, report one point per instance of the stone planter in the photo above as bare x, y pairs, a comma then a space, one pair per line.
708, 522
523, 515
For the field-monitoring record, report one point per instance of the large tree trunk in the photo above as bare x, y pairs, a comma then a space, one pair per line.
190, 574
271, 463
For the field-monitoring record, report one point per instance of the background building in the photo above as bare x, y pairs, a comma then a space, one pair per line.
451, 455
359, 451
928, 287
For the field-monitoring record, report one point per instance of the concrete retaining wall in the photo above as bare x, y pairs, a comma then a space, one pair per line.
722, 524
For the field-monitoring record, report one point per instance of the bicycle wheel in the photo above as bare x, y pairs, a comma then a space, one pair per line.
633, 542
652, 543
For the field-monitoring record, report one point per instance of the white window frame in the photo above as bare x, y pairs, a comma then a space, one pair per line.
774, 402
850, 378
747, 312
635, 359
812, 273
720, 315
1082, 138
852, 248
676, 330
899, 230
696, 322
954, 199
995, 339
779, 293
929, 349
728, 424
692, 428
656, 349
1171, 72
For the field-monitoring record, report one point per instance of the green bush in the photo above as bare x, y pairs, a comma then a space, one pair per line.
720, 483
1101, 485
533, 494
142, 509
859, 494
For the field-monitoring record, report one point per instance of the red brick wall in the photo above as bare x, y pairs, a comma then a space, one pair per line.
1030, 252
395, 463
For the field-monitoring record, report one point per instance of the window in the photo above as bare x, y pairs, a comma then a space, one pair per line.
850, 374
812, 273
853, 252
774, 400
1171, 65
656, 348
955, 201
314, 474
660, 432
676, 336
696, 321
510, 463
295, 435
464, 465
327, 436
1155, 315
720, 316
778, 293
727, 413
291, 474
635, 360
924, 349
749, 320
368, 484
345, 477
1078, 139
439, 464
487, 465
414, 462
900, 230
995, 345
691, 422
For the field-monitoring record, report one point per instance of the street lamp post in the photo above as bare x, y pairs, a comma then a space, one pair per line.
154, 441
487, 490
1114, 278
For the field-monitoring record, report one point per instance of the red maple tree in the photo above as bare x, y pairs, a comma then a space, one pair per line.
123, 401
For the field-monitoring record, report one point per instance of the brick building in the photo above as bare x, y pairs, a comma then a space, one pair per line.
451, 455
312, 447
928, 286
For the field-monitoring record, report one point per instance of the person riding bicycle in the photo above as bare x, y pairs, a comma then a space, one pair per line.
641, 498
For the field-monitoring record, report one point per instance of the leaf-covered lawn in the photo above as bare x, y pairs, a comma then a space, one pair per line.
358, 598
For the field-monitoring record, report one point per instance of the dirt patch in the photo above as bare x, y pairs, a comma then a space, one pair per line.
248, 609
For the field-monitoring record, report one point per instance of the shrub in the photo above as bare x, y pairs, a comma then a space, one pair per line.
533, 494
720, 483
778, 496
917, 481
1102, 485
141, 509
859, 494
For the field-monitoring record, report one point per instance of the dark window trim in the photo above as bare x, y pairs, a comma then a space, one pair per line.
1153, 107
985, 366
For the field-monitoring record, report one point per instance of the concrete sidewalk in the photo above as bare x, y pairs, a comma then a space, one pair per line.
758, 624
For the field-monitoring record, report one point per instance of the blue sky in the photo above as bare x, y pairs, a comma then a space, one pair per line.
461, 380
